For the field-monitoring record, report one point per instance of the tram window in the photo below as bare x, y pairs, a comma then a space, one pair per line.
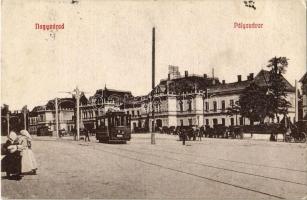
110, 121
128, 120
122, 120
116, 121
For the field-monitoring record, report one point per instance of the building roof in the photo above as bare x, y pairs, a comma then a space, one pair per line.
66, 103
229, 87
304, 78
261, 79
107, 91
185, 84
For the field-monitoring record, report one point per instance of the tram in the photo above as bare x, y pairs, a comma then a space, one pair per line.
114, 126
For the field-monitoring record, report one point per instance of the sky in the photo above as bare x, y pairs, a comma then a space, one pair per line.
109, 43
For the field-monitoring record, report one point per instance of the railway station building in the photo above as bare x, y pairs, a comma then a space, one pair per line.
196, 100
187, 99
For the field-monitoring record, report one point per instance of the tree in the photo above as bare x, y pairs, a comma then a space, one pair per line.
254, 103
234, 109
278, 65
277, 86
257, 102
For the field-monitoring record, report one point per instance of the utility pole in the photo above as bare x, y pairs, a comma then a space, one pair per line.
56, 117
153, 87
24, 111
25, 120
77, 95
296, 102
8, 122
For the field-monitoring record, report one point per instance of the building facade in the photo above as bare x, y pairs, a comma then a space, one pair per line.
303, 81
45, 116
197, 100
188, 100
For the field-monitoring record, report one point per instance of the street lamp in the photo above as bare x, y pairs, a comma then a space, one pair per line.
24, 111
77, 94
56, 106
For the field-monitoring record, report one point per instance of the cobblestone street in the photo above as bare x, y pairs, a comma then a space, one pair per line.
207, 169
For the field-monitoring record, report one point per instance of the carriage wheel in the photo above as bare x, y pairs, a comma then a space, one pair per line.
303, 138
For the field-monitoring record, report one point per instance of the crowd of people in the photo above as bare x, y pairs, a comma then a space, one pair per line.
17, 157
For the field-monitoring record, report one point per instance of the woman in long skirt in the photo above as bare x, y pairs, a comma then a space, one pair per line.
11, 163
28, 162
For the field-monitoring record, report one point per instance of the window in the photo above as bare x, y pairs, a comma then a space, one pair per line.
214, 121
181, 106
241, 120
232, 121
223, 121
214, 106
223, 105
231, 103
190, 122
133, 113
207, 106
189, 105
138, 112
181, 122
207, 122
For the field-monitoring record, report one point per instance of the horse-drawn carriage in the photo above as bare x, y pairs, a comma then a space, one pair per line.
187, 131
296, 132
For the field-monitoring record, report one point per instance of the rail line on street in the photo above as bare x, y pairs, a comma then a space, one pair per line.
234, 161
212, 166
188, 173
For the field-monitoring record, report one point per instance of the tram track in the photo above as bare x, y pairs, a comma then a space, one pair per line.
234, 161
187, 173
212, 166
192, 155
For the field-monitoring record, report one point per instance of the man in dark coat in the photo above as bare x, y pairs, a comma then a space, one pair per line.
201, 132
183, 135
87, 135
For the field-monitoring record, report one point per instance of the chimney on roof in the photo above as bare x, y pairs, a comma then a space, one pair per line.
239, 78
205, 76
186, 73
251, 76
213, 81
223, 82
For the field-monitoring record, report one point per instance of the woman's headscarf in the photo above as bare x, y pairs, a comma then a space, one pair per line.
26, 134
12, 136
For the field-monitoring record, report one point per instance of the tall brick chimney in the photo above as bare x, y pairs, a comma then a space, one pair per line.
239, 78
251, 76
186, 73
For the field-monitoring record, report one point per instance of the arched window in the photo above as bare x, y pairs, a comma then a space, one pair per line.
180, 105
189, 105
